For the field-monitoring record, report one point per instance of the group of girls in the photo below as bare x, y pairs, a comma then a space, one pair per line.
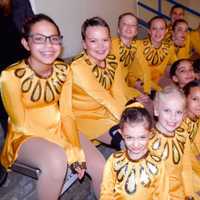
57, 111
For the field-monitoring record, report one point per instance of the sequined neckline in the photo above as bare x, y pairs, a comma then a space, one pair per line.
139, 159
37, 74
127, 53
155, 56
161, 133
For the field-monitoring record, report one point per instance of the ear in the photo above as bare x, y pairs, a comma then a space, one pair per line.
174, 78
83, 44
118, 31
156, 108
25, 44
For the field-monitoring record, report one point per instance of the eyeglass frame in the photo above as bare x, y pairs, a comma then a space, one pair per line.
45, 38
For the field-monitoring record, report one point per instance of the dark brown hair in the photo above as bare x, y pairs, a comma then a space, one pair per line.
94, 21
135, 115
26, 30
126, 14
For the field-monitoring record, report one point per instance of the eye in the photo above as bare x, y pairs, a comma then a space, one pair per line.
39, 38
194, 98
179, 112
126, 137
143, 137
182, 71
55, 38
166, 110
106, 40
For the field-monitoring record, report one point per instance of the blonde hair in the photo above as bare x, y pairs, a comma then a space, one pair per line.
169, 91
6, 5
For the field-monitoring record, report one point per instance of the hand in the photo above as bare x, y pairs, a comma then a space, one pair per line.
80, 172
143, 98
139, 85
189, 198
198, 157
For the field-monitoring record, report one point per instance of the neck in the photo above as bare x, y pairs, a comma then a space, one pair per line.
156, 44
99, 63
127, 42
191, 116
43, 70
164, 132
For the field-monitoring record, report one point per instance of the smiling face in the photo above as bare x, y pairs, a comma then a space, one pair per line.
184, 73
136, 137
128, 27
157, 31
46, 53
97, 43
180, 33
170, 110
193, 103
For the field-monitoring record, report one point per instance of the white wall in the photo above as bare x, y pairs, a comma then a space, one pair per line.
70, 14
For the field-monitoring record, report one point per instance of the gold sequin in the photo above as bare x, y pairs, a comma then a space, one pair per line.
176, 154
130, 185
173, 146
105, 76
133, 174
127, 54
155, 56
42, 89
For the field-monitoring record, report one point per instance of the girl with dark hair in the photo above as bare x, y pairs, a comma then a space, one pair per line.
36, 93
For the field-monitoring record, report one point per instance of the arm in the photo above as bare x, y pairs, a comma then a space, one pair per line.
11, 97
120, 90
85, 80
68, 119
187, 169
195, 40
108, 183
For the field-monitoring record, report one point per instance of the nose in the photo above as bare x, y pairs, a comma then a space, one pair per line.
135, 143
48, 41
173, 116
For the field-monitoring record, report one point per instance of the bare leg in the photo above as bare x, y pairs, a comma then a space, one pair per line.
95, 163
105, 138
51, 159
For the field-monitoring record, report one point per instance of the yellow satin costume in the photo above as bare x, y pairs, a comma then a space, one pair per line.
175, 151
192, 127
125, 179
150, 63
125, 56
181, 52
195, 41
192, 42
39, 107
98, 97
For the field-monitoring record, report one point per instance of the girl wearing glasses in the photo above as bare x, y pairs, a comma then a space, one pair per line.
36, 93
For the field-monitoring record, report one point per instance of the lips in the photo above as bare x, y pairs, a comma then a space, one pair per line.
172, 124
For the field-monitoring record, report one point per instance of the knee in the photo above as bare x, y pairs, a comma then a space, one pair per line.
96, 166
54, 164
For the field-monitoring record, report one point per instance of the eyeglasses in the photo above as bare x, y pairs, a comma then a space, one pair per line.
42, 39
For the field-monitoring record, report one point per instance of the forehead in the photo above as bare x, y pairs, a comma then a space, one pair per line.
182, 25
97, 30
128, 18
43, 27
172, 101
136, 129
184, 65
195, 90
177, 11
157, 22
